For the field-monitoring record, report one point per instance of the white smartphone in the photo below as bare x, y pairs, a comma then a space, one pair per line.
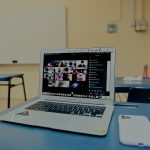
134, 130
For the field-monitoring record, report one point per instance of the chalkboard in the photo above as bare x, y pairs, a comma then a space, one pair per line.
24, 33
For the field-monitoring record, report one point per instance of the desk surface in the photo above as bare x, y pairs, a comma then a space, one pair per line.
124, 86
20, 137
7, 77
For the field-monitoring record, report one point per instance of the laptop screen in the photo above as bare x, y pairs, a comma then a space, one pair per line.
77, 74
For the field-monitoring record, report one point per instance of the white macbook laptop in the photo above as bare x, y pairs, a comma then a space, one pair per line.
76, 92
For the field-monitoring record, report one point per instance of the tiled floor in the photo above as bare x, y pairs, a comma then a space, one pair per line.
121, 97
14, 102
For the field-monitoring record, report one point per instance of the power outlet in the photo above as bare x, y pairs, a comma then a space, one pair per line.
112, 28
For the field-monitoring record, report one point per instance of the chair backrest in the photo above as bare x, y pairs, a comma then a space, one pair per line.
139, 95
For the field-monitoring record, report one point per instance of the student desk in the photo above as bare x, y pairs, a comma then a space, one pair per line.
21, 137
8, 78
122, 86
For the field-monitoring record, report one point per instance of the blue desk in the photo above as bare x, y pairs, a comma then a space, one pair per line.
20, 137
8, 78
122, 86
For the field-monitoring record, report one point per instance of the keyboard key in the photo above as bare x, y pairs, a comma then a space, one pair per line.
73, 109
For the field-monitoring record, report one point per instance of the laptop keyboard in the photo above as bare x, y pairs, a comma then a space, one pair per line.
74, 109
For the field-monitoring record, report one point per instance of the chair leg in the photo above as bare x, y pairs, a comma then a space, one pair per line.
9, 88
24, 88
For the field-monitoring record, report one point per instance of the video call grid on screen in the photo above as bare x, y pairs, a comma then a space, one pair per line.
76, 74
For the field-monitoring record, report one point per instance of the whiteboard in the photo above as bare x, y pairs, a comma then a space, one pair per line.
24, 33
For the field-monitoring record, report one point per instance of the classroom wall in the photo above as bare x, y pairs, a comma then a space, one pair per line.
147, 16
86, 27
